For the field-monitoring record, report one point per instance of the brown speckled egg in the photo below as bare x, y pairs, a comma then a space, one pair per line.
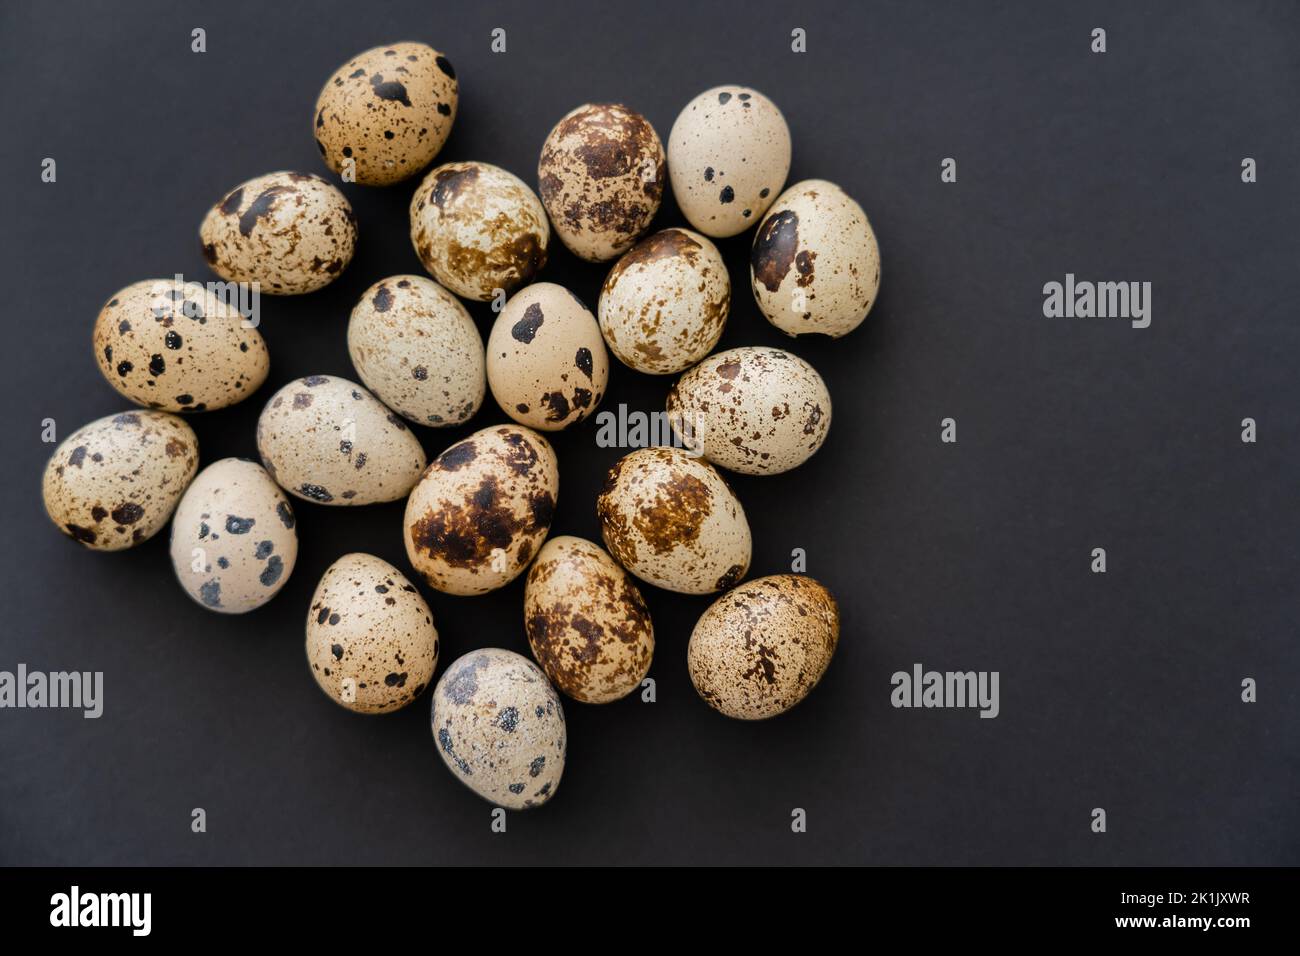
601, 176
664, 305
499, 727
728, 156
388, 110
289, 232
758, 411
587, 623
233, 542
113, 484
758, 650
815, 266
178, 347
671, 520
482, 509
478, 229
546, 362
371, 642
418, 350
328, 440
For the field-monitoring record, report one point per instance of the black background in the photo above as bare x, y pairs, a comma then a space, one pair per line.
1119, 690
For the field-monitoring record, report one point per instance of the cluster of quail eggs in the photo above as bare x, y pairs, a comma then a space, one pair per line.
480, 513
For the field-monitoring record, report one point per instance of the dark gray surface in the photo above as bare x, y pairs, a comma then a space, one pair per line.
1118, 691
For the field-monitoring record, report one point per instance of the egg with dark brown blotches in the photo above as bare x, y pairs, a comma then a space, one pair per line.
728, 157
601, 176
670, 519
178, 347
290, 233
546, 361
384, 115
113, 484
757, 411
371, 642
234, 541
418, 350
499, 727
760, 649
479, 230
664, 305
328, 440
815, 265
587, 624
481, 510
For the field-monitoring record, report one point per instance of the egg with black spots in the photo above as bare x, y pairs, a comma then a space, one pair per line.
371, 642
546, 361
112, 484
234, 541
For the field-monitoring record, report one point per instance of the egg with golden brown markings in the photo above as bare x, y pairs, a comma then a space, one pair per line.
478, 229
601, 176
815, 265
113, 484
758, 650
385, 114
178, 347
587, 624
757, 411
371, 642
289, 232
670, 519
481, 510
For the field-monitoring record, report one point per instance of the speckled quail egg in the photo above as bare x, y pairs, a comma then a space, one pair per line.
418, 350
328, 440
289, 232
233, 541
178, 347
759, 649
664, 305
728, 156
478, 229
758, 411
371, 642
499, 727
671, 520
815, 266
601, 176
113, 484
482, 509
387, 111
587, 623
546, 362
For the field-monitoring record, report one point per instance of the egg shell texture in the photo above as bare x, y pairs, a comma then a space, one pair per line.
728, 157
499, 727
233, 543
290, 232
670, 519
478, 228
757, 411
176, 346
418, 350
587, 624
601, 176
759, 649
371, 641
664, 305
815, 265
482, 509
113, 483
546, 361
389, 110
328, 440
